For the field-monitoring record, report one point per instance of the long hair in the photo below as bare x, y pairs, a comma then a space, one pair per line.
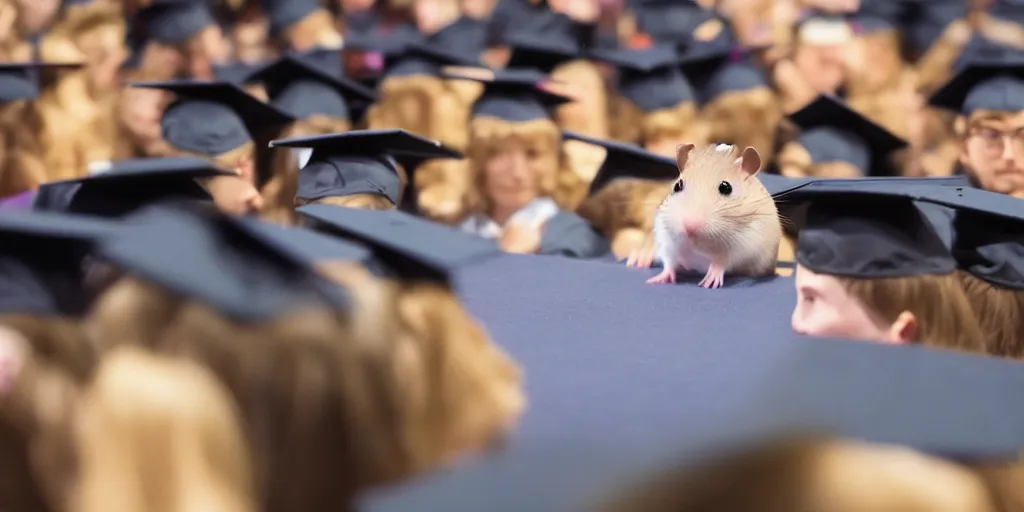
1000, 315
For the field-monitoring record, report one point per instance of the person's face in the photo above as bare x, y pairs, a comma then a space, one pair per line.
140, 112
105, 50
35, 15
250, 38
993, 152
511, 175
825, 308
433, 15
821, 65
235, 195
207, 49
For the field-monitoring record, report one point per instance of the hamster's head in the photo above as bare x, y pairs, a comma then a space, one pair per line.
717, 195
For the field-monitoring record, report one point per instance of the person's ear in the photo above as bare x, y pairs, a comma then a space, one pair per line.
904, 330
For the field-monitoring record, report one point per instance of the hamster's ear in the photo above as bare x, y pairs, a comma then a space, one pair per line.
749, 161
682, 151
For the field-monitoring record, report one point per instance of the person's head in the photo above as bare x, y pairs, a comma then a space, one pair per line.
588, 112
160, 434
820, 53
98, 30
433, 15
795, 162
992, 149
35, 17
1000, 315
746, 116
234, 194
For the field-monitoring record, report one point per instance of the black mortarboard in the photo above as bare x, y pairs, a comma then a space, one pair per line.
212, 118
876, 16
669, 21
831, 131
362, 162
214, 258
650, 78
175, 21
20, 80
130, 185
984, 84
547, 42
284, 13
509, 15
627, 161
515, 95
302, 89
465, 37
236, 72
420, 58
306, 244
41, 261
870, 231
410, 247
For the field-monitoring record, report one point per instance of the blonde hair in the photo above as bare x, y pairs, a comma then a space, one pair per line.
316, 30
584, 76
160, 435
430, 106
360, 201
795, 162
489, 134
823, 475
1000, 315
279, 192
744, 118
638, 127
944, 315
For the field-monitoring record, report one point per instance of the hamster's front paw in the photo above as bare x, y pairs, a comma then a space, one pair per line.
667, 276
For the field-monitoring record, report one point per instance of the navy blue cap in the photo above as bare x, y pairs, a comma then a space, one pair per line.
650, 78
831, 131
982, 50
627, 161
129, 185
215, 258
175, 21
669, 21
410, 247
547, 42
465, 37
867, 230
41, 261
212, 118
307, 245
236, 72
984, 84
420, 58
283, 13
20, 80
362, 162
509, 15
302, 89
877, 16
515, 95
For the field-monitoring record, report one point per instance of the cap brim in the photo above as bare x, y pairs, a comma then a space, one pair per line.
953, 94
255, 112
362, 142
627, 161
56, 226
826, 111
638, 61
276, 75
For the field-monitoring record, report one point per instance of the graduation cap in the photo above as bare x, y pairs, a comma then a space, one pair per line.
20, 80
547, 42
1011, 10
236, 72
650, 78
985, 83
627, 161
421, 58
466, 37
928, 20
215, 258
284, 13
362, 162
410, 247
302, 89
212, 118
876, 16
175, 22
670, 21
41, 261
509, 15
305, 244
831, 131
130, 185
868, 231
516, 95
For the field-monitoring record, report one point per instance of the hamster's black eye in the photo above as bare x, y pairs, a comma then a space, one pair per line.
725, 188
678, 187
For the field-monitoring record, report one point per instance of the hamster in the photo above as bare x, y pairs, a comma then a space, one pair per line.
718, 218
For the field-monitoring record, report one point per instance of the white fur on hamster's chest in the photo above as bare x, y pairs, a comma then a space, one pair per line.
674, 248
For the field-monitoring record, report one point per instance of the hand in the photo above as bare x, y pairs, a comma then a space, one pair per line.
520, 239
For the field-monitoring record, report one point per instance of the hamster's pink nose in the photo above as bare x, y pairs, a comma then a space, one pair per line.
691, 226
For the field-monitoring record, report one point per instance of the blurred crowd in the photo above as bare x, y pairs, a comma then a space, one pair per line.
230, 229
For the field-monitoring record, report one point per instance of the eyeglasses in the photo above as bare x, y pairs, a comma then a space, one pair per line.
994, 141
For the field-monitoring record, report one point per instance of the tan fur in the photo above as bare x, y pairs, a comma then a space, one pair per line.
742, 228
744, 118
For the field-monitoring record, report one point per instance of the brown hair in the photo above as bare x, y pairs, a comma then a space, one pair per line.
430, 106
1000, 315
160, 435
744, 118
441, 189
279, 192
823, 475
795, 162
943, 313
360, 201
489, 134
626, 203
638, 127
584, 76
21, 167
315, 30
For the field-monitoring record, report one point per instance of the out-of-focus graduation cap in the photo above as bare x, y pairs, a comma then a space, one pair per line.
215, 258
41, 261
876, 16
465, 37
284, 13
302, 89
175, 21
307, 245
928, 20
669, 21
831, 131
509, 15
212, 118
236, 72
515, 95
20, 80
627, 161
651, 79
988, 79
362, 162
129, 185
409, 247
547, 42
718, 66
